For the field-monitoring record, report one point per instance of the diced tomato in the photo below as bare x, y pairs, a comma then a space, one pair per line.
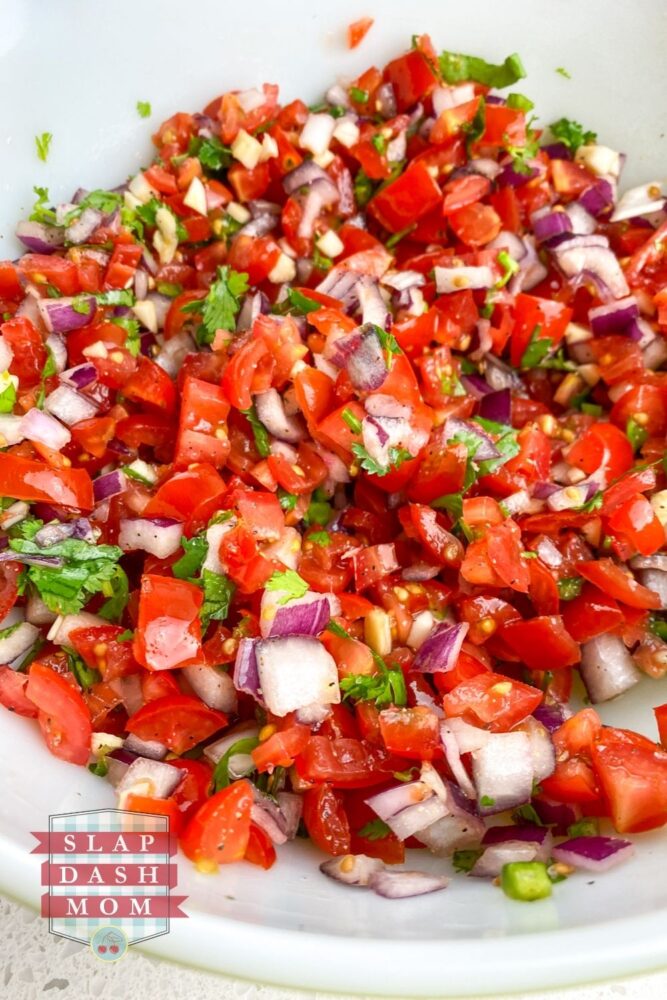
619, 584
280, 749
63, 715
325, 819
219, 831
344, 763
168, 631
590, 614
176, 720
411, 77
13, 694
633, 775
24, 479
409, 197
260, 850
491, 700
411, 732
542, 643
202, 429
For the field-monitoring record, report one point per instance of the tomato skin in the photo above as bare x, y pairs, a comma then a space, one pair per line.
475, 225
63, 715
179, 721
100, 649
325, 820
411, 732
168, 631
440, 472
260, 850
219, 831
411, 77
344, 763
202, 428
611, 579
409, 197
493, 701
13, 695
503, 542
44, 269
184, 492
637, 521
25, 479
281, 748
151, 385
542, 643
590, 614
633, 775
573, 782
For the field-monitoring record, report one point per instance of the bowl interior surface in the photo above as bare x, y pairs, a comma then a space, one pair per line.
77, 69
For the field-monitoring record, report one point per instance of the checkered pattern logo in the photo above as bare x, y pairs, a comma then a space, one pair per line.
68, 898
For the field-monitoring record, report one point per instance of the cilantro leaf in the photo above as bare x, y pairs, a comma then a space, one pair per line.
218, 593
85, 569
572, 134
260, 433
7, 393
221, 306
594, 503
289, 582
452, 503
144, 109
43, 145
189, 564
320, 538
117, 591
212, 154
375, 829
131, 327
302, 303
288, 501
563, 72
396, 458
458, 68
383, 688
103, 201
536, 349
487, 801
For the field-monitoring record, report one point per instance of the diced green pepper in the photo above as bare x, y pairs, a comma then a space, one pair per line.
525, 880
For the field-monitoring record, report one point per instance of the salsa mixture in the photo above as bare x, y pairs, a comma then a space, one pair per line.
333, 480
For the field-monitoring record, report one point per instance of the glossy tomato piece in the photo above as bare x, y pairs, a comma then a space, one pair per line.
633, 775
411, 732
63, 715
492, 700
179, 721
219, 831
325, 819
168, 630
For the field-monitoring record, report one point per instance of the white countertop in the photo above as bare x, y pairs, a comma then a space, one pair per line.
34, 964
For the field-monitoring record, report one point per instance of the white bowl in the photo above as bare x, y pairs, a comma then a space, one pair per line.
77, 69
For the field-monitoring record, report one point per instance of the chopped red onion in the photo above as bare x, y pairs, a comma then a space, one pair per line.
596, 260
528, 833
60, 316
160, 536
476, 386
572, 496
402, 884
548, 553
551, 716
109, 485
60, 631
214, 687
385, 101
547, 224
84, 226
556, 814
80, 376
144, 748
296, 672
271, 412
469, 738
307, 615
496, 406
453, 757
173, 352
69, 406
499, 375
240, 764
152, 778
486, 448
445, 98
657, 561
340, 284
598, 198
606, 668
594, 854
320, 194
374, 308
614, 316
14, 646
642, 200
56, 345
40, 238
503, 772
366, 365
42, 427
303, 176
440, 651
542, 752
118, 762
291, 807
352, 869
583, 223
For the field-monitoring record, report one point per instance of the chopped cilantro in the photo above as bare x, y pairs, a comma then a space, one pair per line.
126, 636
321, 262
288, 501
189, 564
384, 688
290, 583
474, 129
593, 504
396, 458
379, 143
131, 327
212, 154
570, 587
43, 145
457, 68
375, 829
452, 503
586, 827
320, 538
144, 109
486, 801
260, 433
572, 134
85, 676
406, 775
115, 297
563, 72
7, 393
388, 342
218, 593
117, 591
465, 861
136, 475
221, 306
85, 568
526, 814
351, 420
636, 434
302, 303
536, 350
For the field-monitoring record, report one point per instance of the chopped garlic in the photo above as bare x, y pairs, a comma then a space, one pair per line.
659, 504
346, 132
246, 149
165, 240
324, 159
269, 148
330, 244
101, 743
195, 197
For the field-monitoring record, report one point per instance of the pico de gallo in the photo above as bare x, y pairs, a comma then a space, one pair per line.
333, 480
